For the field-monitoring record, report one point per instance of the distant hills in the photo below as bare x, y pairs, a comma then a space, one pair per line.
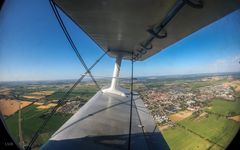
160, 77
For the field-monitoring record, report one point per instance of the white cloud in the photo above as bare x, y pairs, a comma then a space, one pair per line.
230, 64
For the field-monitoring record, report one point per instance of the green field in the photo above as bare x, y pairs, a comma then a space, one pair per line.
85, 92
31, 121
216, 129
32, 117
180, 139
224, 107
212, 131
199, 84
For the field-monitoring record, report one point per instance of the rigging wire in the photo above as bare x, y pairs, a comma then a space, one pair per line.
130, 122
61, 102
56, 13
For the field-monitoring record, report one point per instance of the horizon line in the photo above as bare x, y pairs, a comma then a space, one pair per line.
102, 77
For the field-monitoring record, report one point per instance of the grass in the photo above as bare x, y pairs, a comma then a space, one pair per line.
180, 139
217, 129
204, 132
32, 119
85, 92
198, 84
224, 107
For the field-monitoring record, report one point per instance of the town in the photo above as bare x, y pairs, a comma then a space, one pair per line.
172, 98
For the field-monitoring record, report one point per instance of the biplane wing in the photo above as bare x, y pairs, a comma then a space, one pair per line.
128, 29
103, 123
125, 25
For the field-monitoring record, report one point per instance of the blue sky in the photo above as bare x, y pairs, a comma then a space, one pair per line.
33, 47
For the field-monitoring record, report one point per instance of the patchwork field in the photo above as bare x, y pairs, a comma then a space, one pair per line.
180, 115
216, 129
43, 93
47, 106
235, 85
32, 117
9, 107
86, 92
35, 97
207, 130
5, 91
38, 95
212, 125
224, 107
36, 103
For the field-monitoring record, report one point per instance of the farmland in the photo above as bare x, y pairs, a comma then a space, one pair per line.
216, 129
196, 112
180, 115
32, 118
9, 107
211, 127
192, 113
179, 138
224, 107
37, 100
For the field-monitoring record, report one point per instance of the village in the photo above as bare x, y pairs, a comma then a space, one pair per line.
163, 102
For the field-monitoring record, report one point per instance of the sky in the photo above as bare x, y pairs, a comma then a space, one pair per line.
33, 47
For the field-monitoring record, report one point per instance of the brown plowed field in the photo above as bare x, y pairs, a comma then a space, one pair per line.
9, 107
180, 115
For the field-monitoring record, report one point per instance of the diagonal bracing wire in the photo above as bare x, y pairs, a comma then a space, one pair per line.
60, 21
61, 102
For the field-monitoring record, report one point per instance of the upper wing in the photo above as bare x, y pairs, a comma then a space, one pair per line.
121, 26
